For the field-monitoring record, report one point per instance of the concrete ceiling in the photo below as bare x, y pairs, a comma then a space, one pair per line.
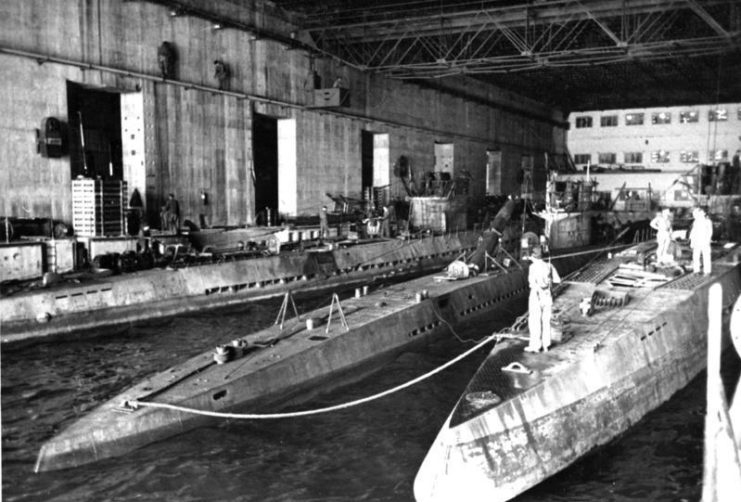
571, 54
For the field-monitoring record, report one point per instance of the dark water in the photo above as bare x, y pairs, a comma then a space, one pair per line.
365, 453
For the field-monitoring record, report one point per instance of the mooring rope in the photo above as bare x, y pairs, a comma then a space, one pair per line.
590, 251
264, 416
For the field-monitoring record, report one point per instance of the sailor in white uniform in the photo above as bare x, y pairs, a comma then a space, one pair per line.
662, 223
540, 303
700, 236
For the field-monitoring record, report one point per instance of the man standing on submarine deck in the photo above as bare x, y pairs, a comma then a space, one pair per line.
540, 302
700, 236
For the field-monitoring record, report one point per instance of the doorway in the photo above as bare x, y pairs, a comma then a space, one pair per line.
375, 169
366, 162
265, 150
381, 160
94, 118
494, 172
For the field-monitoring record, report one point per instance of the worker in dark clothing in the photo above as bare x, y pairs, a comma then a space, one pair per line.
171, 214
222, 74
735, 175
166, 57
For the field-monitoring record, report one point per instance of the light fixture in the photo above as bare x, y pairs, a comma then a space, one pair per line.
217, 26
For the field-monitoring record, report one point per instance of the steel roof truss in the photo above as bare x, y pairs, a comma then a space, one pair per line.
400, 58
705, 16
579, 33
380, 46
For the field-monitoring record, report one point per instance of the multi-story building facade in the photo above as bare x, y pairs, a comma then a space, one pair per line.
654, 144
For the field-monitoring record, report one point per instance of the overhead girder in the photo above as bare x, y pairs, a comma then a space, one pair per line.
582, 57
516, 38
555, 11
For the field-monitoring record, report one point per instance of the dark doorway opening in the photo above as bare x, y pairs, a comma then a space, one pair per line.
94, 118
265, 149
366, 153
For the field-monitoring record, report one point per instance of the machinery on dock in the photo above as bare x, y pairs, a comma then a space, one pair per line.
526, 416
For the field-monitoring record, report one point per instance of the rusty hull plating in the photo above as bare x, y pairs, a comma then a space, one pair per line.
510, 431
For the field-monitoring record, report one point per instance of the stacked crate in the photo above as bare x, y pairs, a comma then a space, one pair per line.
98, 207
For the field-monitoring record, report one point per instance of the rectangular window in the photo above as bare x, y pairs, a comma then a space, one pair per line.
634, 119
633, 157
660, 156
718, 115
582, 158
444, 157
608, 121
718, 155
687, 117
661, 118
584, 121
606, 158
689, 157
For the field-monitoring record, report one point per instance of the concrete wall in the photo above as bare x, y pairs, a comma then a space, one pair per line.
198, 139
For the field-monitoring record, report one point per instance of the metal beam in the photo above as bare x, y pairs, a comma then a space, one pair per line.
581, 57
603, 26
557, 11
554, 34
703, 14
